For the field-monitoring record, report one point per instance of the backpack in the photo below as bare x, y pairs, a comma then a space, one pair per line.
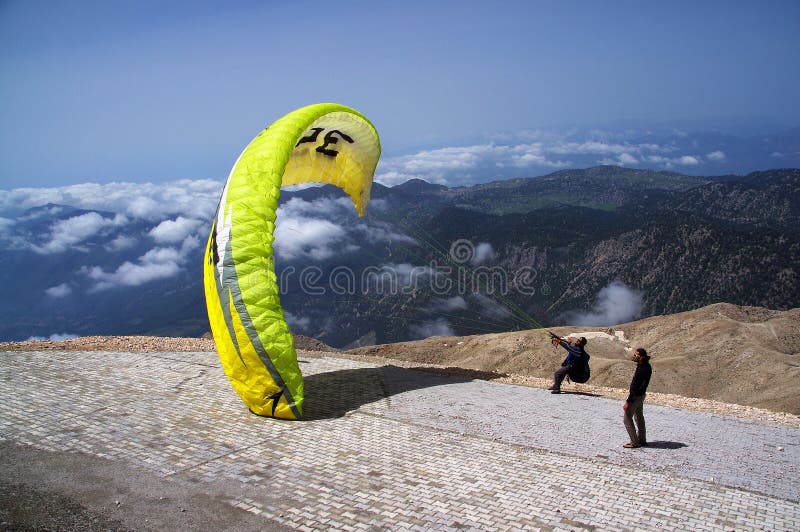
580, 372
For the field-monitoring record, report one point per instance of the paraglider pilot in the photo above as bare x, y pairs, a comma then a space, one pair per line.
575, 352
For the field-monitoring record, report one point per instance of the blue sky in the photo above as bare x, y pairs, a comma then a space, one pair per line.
159, 91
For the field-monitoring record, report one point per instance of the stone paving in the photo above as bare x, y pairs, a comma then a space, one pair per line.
391, 448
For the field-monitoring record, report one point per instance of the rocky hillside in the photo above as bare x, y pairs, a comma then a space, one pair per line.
600, 187
768, 199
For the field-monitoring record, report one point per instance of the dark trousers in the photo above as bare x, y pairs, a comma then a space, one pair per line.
559, 376
636, 411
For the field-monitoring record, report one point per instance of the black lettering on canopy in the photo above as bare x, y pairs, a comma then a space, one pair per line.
312, 137
331, 139
275, 398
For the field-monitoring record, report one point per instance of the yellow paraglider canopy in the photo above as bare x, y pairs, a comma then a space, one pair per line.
323, 143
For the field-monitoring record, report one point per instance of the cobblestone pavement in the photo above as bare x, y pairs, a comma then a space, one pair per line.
391, 448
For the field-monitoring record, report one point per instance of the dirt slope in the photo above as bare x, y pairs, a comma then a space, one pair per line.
741, 355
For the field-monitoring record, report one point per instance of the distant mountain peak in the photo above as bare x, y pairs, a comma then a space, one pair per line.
418, 185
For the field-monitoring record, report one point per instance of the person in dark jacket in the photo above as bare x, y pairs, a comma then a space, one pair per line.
634, 405
574, 353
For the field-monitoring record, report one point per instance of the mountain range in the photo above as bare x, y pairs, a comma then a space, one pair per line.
596, 246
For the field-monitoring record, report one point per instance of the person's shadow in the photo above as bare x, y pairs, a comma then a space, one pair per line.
335, 393
665, 445
587, 394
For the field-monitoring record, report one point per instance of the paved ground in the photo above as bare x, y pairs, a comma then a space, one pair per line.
159, 440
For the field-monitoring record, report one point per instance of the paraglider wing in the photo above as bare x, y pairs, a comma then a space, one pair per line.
323, 143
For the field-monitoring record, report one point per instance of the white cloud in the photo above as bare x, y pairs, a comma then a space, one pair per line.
174, 231
718, 155
484, 252
158, 263
296, 322
321, 207
458, 164
121, 243
624, 159
307, 230
299, 234
68, 234
377, 232
439, 327
144, 207
312, 238
303, 232
688, 160
61, 290
57, 337
671, 162
615, 304
481, 162
460, 158
161, 256
593, 147
531, 155
129, 274
392, 278
190, 243
409, 275
524, 160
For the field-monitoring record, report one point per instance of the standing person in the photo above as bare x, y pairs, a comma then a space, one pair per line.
634, 405
575, 352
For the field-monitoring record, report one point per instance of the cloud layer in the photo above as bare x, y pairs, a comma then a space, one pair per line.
303, 230
616, 303
188, 198
165, 226
176, 217
539, 152
426, 329
70, 233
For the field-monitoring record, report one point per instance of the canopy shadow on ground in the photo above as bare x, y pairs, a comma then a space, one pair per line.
335, 393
